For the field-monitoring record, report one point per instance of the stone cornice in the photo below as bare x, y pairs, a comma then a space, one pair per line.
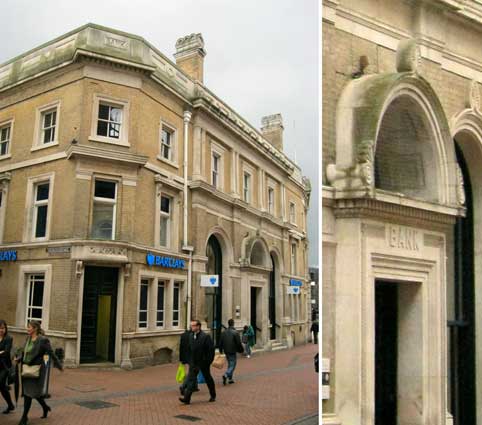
106, 154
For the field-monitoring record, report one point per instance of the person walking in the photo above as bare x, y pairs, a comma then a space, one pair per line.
314, 329
185, 358
248, 339
35, 370
230, 344
201, 349
6, 342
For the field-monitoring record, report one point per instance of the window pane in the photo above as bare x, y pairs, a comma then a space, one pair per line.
5, 134
1, 199
103, 111
42, 192
102, 128
102, 221
143, 295
4, 148
47, 120
175, 301
160, 318
104, 189
41, 224
38, 294
143, 319
114, 130
166, 137
160, 296
115, 114
163, 240
36, 313
165, 204
53, 118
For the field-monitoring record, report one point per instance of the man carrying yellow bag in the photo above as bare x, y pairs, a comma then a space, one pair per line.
184, 358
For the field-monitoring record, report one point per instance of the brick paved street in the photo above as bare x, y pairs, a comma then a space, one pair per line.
271, 388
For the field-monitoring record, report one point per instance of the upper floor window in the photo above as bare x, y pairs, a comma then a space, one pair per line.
104, 211
293, 258
47, 129
40, 212
168, 143
271, 200
216, 163
247, 187
165, 221
5, 138
110, 121
292, 213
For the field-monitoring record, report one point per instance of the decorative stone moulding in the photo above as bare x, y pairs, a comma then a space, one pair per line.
360, 111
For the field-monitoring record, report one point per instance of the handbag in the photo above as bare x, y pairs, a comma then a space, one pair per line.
181, 374
200, 378
30, 371
219, 361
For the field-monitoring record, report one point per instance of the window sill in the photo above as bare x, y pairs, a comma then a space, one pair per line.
6, 156
167, 161
44, 146
115, 142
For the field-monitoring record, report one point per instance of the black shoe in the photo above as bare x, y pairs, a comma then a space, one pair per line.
46, 412
231, 381
23, 421
183, 400
8, 410
181, 390
212, 399
224, 380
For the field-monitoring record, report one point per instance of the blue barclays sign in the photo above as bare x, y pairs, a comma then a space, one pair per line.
294, 282
8, 255
169, 262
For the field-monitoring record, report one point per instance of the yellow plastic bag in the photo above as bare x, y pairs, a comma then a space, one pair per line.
181, 374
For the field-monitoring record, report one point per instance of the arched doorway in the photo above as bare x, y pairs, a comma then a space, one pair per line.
272, 299
214, 301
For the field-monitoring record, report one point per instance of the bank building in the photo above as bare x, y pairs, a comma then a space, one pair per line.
402, 205
126, 185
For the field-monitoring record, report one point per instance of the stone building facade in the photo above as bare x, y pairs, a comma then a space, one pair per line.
402, 144
124, 180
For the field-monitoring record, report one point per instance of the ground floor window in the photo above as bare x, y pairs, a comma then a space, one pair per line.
35, 300
160, 303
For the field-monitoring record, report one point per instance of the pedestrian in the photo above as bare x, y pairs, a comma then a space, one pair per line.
314, 329
6, 342
201, 350
35, 370
248, 339
230, 344
185, 358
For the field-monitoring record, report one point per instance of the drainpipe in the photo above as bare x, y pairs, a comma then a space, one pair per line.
185, 246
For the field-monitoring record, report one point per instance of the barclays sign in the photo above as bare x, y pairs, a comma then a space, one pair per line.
8, 255
168, 262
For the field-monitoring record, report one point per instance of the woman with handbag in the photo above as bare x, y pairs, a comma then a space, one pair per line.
5, 365
35, 369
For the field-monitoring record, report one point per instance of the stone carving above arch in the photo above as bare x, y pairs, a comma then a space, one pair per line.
473, 101
360, 113
408, 56
255, 251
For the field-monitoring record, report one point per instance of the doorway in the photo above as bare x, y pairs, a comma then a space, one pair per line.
214, 296
386, 353
98, 330
272, 300
255, 314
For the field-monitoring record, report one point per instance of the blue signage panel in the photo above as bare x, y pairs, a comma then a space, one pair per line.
294, 282
8, 255
169, 262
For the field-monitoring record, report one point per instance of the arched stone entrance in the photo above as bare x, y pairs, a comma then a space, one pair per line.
391, 299
214, 296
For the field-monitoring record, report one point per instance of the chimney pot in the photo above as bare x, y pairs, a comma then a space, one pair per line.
272, 129
190, 56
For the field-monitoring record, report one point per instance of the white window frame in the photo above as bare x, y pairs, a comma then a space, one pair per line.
30, 213
247, 190
162, 190
173, 160
38, 133
219, 151
293, 258
292, 213
3, 206
106, 201
271, 202
165, 285
179, 310
123, 139
23, 293
162, 214
4, 124
139, 310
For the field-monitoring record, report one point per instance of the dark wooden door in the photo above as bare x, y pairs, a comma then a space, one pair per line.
100, 291
272, 300
386, 353
254, 319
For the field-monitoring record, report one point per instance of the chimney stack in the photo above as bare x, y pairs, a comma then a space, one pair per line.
190, 55
272, 129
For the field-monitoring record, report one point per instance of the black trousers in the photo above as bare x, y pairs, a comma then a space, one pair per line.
27, 404
191, 382
315, 337
184, 384
4, 387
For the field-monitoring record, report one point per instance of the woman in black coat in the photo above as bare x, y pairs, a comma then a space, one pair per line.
5, 364
36, 354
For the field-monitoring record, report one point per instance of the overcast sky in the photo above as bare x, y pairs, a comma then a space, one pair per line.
262, 55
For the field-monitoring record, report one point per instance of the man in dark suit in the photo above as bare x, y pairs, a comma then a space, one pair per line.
185, 358
201, 349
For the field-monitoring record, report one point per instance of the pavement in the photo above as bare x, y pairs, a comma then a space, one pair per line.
275, 388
